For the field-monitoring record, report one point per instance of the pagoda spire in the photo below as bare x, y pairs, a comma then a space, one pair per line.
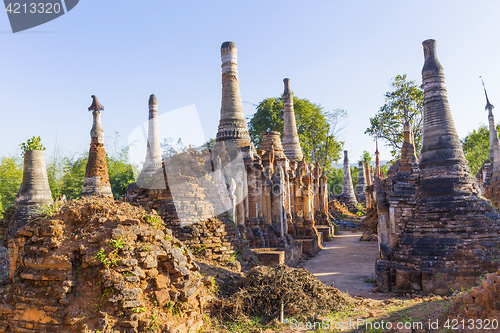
494, 150
232, 124
291, 144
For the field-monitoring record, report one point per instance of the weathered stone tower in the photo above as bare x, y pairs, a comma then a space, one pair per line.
291, 143
34, 190
151, 176
377, 160
360, 188
452, 238
96, 176
347, 196
232, 124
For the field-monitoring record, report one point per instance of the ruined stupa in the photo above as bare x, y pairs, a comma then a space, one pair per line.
232, 124
348, 197
360, 188
151, 176
452, 238
34, 190
291, 143
96, 176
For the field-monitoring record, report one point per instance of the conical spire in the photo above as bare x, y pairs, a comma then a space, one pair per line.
232, 125
153, 162
408, 155
291, 143
444, 168
377, 159
347, 196
96, 176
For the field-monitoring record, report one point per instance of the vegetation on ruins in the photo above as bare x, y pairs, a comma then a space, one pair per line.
476, 145
65, 173
403, 104
34, 143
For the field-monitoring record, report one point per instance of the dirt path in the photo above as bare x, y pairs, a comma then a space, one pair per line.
348, 263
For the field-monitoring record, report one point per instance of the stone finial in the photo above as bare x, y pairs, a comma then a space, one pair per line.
152, 100
232, 124
96, 106
444, 168
291, 143
377, 160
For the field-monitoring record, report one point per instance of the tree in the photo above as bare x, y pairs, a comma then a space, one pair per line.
34, 143
476, 146
318, 129
403, 104
11, 176
366, 157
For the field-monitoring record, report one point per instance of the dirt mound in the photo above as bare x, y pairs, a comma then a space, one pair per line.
339, 210
100, 265
481, 302
264, 289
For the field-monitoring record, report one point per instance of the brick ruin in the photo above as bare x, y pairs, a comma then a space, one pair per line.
96, 175
436, 233
269, 198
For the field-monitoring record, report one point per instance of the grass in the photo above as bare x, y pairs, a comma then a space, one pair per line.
48, 210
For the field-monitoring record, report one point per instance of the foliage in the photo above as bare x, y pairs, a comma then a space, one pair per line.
11, 176
402, 104
354, 176
366, 157
169, 148
49, 210
318, 129
121, 172
476, 146
34, 143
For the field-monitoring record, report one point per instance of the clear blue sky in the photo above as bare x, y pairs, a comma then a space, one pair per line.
341, 54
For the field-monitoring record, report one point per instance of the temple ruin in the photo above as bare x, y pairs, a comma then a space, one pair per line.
436, 233
270, 193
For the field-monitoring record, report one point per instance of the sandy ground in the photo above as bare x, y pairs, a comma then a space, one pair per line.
348, 263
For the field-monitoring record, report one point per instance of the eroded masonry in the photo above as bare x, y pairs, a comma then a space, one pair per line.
436, 233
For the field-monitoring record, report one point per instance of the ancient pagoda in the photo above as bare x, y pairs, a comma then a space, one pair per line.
232, 124
291, 143
96, 176
151, 176
452, 238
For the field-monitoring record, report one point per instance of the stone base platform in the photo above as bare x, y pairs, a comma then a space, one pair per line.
310, 246
274, 256
328, 232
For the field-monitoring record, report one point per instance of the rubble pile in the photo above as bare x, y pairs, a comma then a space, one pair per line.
264, 289
100, 265
480, 302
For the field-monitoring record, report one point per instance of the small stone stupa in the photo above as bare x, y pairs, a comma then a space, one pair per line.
348, 197
34, 190
96, 176
453, 237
